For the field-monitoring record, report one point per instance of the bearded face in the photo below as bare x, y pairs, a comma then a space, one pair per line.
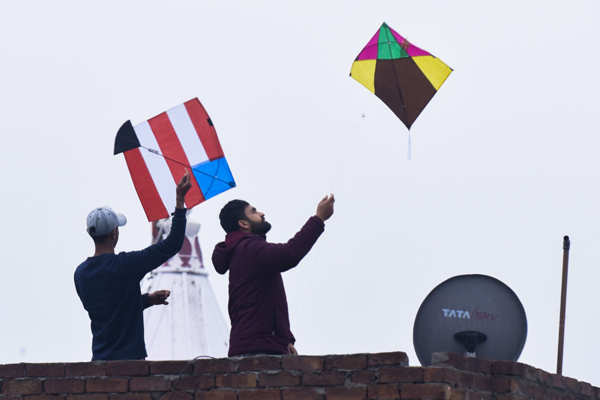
261, 227
256, 220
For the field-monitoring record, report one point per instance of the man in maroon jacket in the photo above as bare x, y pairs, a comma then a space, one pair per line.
257, 304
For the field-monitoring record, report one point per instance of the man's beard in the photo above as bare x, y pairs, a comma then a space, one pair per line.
260, 228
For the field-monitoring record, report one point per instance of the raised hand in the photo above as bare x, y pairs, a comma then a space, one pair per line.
159, 297
183, 187
325, 207
291, 349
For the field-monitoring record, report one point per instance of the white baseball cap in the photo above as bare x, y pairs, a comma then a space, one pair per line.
103, 220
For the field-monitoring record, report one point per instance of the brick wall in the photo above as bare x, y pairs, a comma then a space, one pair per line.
334, 377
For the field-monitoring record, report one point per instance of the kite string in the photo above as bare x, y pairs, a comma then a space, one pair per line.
158, 153
409, 146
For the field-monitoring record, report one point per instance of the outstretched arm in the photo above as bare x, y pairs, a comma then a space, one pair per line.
284, 256
139, 263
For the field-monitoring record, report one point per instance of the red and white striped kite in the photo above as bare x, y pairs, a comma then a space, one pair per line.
158, 152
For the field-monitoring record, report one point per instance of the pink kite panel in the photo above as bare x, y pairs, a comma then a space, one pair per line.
411, 49
370, 50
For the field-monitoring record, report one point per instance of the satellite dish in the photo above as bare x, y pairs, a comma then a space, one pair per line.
475, 315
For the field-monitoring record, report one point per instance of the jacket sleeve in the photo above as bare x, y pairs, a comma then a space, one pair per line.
221, 266
139, 263
145, 301
280, 257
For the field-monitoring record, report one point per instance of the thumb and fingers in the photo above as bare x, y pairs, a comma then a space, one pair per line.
163, 293
328, 199
160, 296
292, 350
185, 179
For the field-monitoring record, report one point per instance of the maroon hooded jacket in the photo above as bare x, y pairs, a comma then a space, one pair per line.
257, 303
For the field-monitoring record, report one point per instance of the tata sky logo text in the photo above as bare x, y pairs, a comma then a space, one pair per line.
460, 314
466, 314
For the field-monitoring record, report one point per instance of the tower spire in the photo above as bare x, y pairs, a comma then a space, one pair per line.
192, 324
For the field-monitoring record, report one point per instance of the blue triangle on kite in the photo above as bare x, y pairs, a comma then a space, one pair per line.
213, 177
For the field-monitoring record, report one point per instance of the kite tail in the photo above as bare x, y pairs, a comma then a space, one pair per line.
409, 147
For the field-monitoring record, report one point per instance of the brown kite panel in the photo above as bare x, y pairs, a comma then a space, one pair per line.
402, 86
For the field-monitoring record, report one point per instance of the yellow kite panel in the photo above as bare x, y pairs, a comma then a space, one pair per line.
364, 72
434, 69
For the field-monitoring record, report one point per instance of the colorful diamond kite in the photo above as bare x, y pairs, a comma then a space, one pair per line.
402, 75
159, 151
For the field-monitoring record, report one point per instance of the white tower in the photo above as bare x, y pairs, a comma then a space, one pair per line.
191, 325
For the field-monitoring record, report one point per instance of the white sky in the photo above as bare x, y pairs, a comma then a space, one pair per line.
504, 157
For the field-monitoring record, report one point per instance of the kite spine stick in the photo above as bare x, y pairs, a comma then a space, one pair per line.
158, 153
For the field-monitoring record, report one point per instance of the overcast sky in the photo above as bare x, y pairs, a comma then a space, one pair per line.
504, 157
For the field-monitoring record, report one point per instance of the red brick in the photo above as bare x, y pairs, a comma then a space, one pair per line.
177, 396
12, 371
214, 365
503, 384
68, 386
478, 365
389, 391
198, 382
343, 393
278, 379
236, 381
442, 359
85, 369
461, 379
127, 368
570, 384
303, 394
481, 382
586, 389
106, 385
512, 397
44, 370
131, 396
532, 389
149, 384
171, 367
259, 394
430, 391
543, 377
22, 386
88, 397
7, 397
302, 363
364, 377
353, 361
326, 378
400, 374
458, 361
43, 397
395, 358
216, 395
460, 394
513, 368
443, 375
268, 363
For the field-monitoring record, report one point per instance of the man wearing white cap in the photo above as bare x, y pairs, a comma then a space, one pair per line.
108, 284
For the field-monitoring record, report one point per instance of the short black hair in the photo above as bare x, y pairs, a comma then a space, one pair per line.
99, 239
231, 213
